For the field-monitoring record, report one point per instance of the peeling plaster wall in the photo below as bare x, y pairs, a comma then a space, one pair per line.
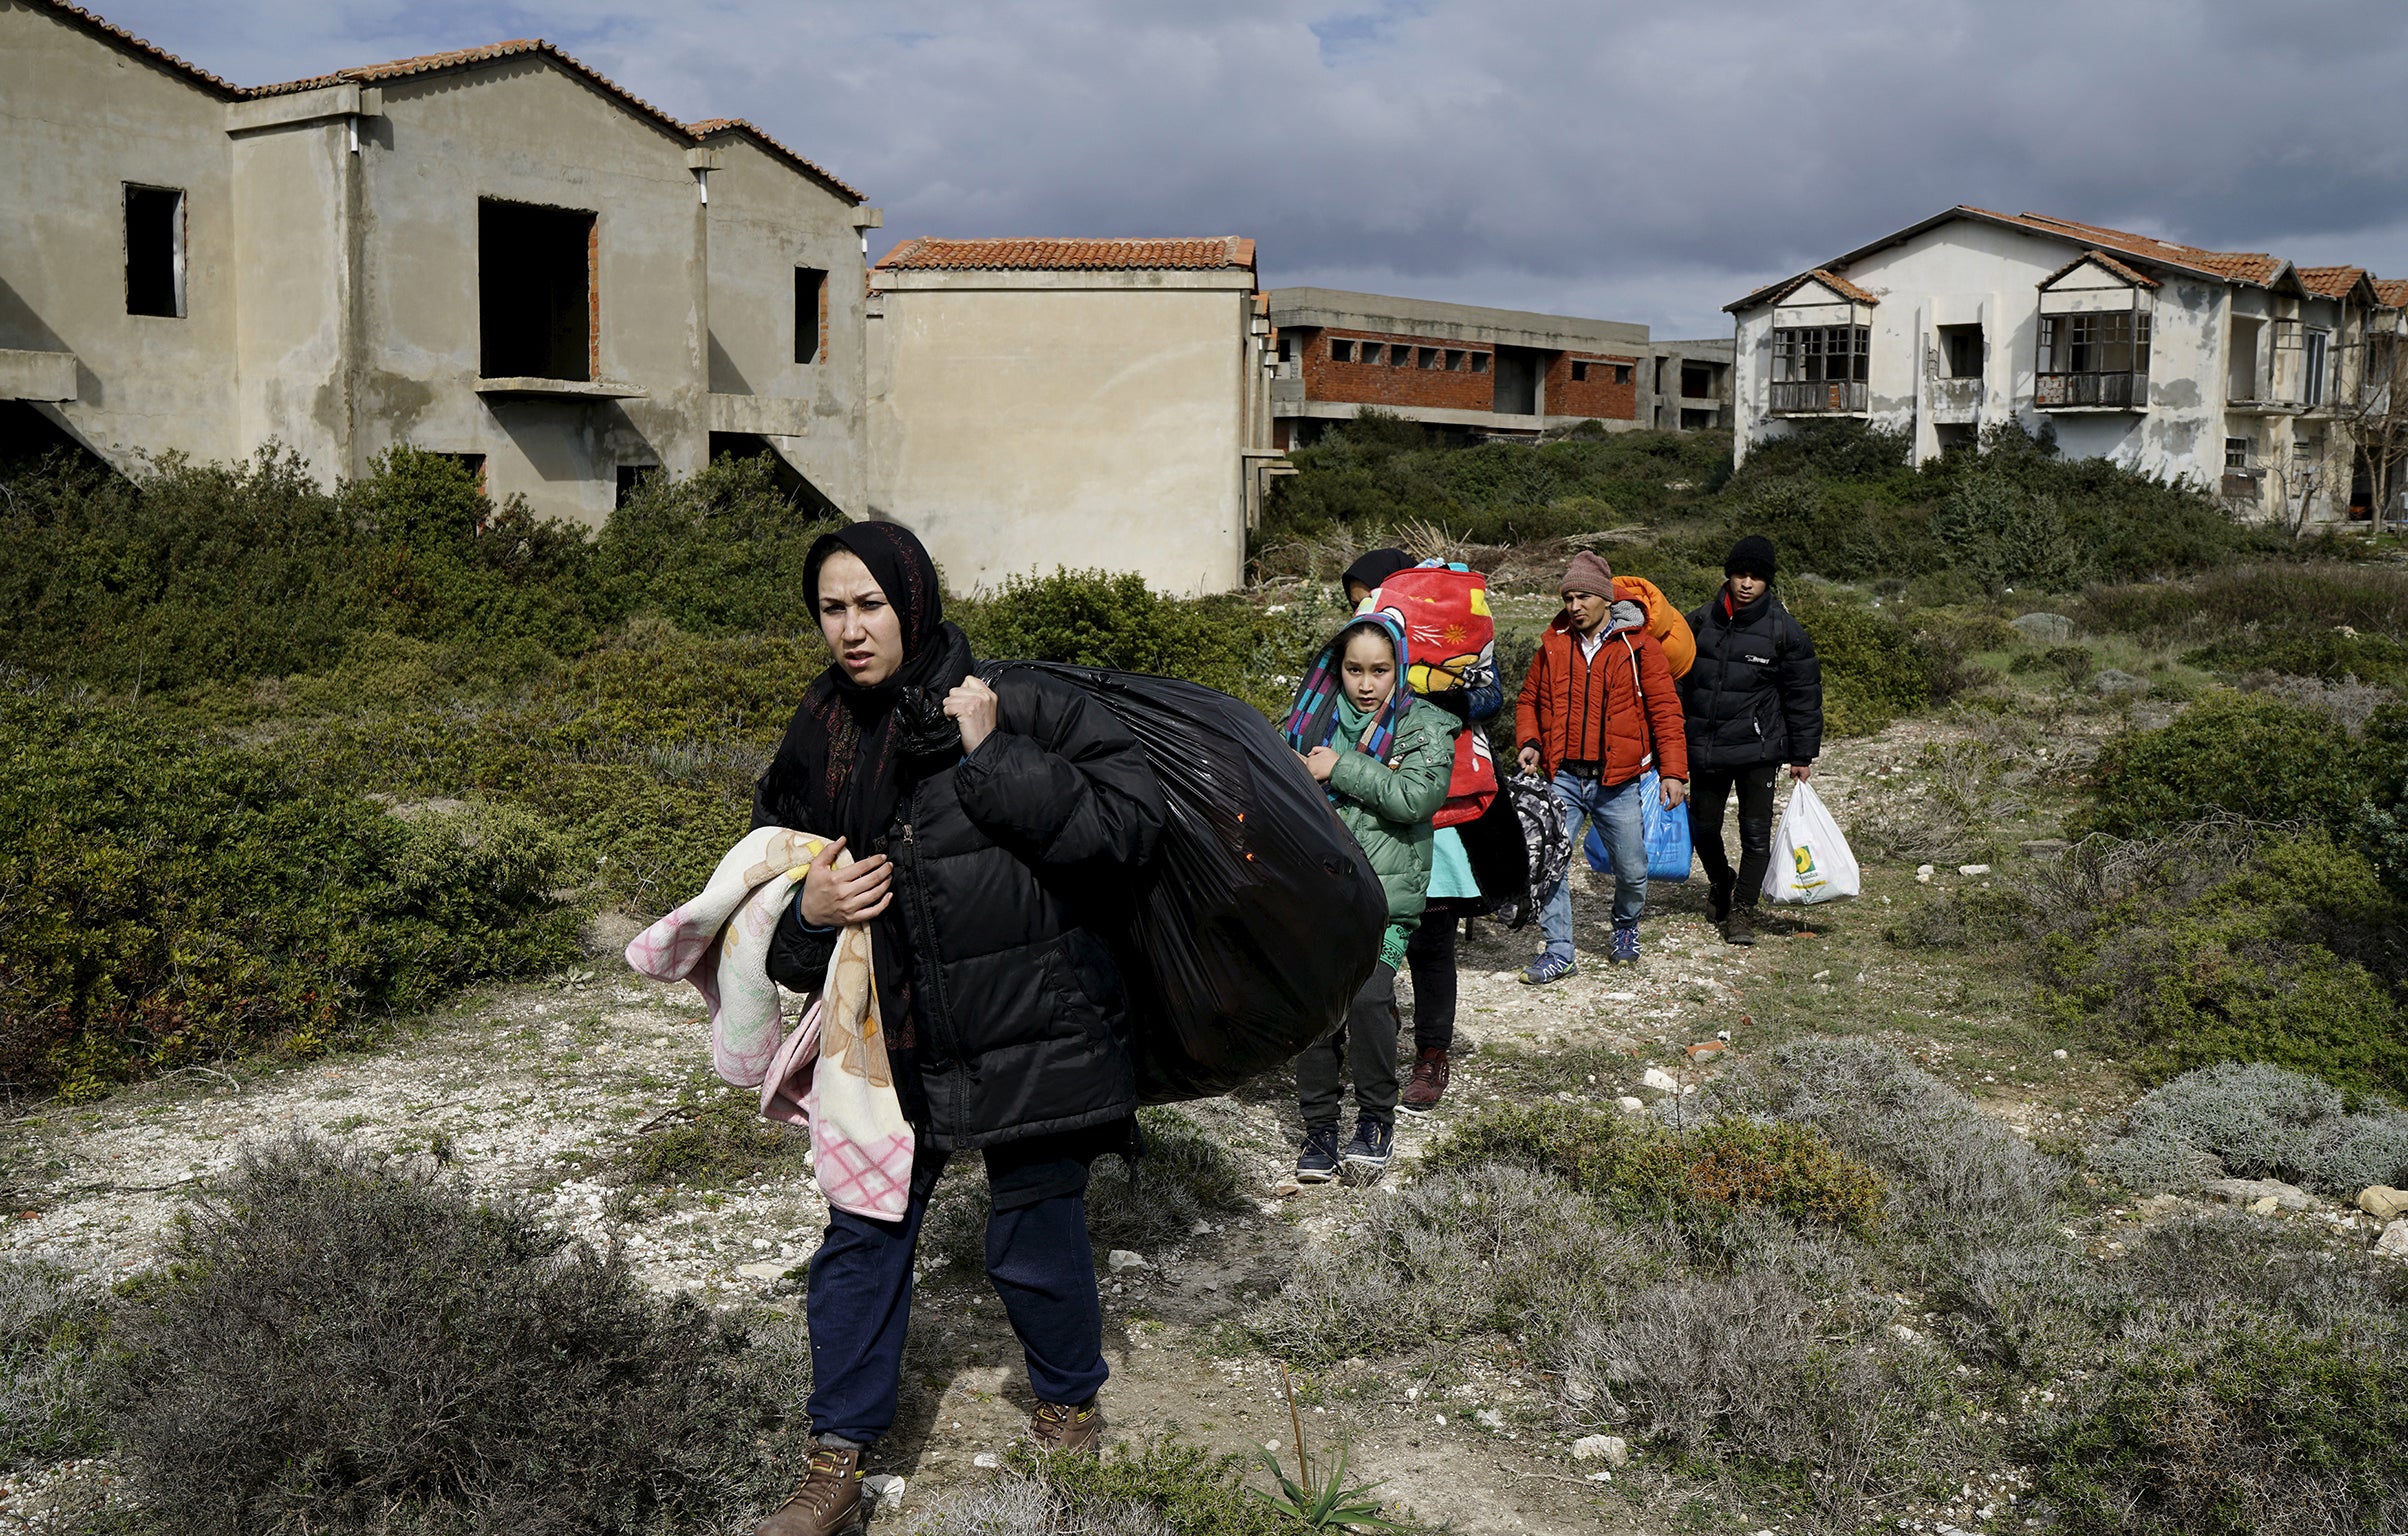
766, 219
1968, 272
524, 131
79, 119
294, 196
1021, 422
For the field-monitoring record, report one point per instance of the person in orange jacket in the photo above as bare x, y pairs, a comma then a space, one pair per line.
1597, 710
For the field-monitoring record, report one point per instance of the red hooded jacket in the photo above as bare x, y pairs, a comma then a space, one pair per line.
1619, 710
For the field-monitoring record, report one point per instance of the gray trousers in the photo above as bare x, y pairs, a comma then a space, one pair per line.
1364, 1044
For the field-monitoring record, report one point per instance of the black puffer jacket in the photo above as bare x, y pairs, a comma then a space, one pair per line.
1002, 861
1755, 692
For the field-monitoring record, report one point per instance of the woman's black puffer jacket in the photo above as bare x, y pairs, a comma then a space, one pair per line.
1755, 692
1001, 862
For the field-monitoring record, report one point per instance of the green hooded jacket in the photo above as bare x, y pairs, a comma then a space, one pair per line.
1388, 806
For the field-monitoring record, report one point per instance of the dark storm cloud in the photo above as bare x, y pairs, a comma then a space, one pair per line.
1638, 161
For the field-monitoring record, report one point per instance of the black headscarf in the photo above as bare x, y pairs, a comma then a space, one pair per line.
851, 752
1375, 566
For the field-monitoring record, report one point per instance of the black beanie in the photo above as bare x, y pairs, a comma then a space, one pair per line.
1751, 556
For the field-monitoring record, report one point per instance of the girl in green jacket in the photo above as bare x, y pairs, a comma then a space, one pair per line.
1386, 758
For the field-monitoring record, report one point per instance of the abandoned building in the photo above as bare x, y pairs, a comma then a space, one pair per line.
1465, 371
495, 253
1037, 404
2265, 383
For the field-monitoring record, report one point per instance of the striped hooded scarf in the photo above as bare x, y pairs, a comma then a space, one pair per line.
1313, 722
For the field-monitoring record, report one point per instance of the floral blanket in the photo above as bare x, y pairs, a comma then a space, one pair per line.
831, 1074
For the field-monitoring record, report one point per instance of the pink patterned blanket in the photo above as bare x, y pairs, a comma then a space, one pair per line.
831, 1074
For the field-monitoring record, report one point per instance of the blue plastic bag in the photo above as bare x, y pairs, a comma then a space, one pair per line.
1667, 833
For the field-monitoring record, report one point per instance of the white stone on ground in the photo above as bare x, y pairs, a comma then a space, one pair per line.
1613, 1450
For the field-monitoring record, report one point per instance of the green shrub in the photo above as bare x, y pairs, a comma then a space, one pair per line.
718, 553
2252, 1121
341, 1345
52, 1332
169, 900
1874, 670
1155, 1488
1699, 1177
2261, 954
2248, 1429
2247, 754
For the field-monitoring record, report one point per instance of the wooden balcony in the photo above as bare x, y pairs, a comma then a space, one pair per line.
1819, 397
2091, 392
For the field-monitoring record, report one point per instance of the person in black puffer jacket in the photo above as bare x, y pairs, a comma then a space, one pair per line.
1754, 700
991, 828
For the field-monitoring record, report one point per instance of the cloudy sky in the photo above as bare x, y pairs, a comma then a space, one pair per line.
1631, 161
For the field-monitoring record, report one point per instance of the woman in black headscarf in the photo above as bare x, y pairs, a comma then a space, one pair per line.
989, 826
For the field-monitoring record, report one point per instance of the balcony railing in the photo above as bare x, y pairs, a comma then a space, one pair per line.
2097, 391
1819, 397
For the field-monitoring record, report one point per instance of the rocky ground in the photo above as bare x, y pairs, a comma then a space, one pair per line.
542, 1090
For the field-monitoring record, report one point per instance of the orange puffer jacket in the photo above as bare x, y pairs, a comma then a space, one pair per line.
1664, 621
1619, 709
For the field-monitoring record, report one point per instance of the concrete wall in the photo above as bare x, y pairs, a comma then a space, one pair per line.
1966, 273
1023, 422
332, 289
80, 118
766, 220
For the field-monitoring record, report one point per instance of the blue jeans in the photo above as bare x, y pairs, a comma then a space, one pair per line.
1615, 808
859, 1303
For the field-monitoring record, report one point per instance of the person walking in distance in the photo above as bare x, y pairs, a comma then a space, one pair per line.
1754, 700
1597, 710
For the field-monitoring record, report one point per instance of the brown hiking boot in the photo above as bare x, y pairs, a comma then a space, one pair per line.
827, 1502
1429, 1082
1739, 927
1064, 1427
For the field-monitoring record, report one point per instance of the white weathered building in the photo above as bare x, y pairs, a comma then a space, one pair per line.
2235, 372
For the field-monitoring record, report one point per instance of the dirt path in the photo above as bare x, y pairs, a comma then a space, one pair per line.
525, 1089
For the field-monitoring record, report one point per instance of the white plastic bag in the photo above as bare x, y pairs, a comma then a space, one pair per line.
1811, 861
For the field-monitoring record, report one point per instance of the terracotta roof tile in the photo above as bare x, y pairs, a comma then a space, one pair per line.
149, 50
2245, 266
2392, 292
2330, 282
930, 254
2130, 275
1773, 293
713, 127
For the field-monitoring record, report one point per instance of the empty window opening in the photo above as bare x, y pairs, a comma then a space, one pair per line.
1399, 356
2236, 455
810, 313
1696, 421
1955, 436
632, 476
1371, 352
472, 463
799, 493
1429, 357
1341, 351
1454, 361
1287, 349
1479, 362
1580, 373
535, 291
2241, 379
154, 251
1961, 351
1517, 389
1697, 381
1622, 373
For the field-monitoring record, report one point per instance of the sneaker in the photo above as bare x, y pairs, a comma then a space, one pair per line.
1546, 970
1068, 1428
1626, 946
1368, 1151
827, 1502
1718, 897
1318, 1162
1740, 926
1429, 1082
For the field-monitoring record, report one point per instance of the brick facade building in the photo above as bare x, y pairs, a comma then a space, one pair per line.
1470, 371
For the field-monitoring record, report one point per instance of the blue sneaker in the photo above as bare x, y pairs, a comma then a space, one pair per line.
1367, 1153
1626, 945
1546, 970
1318, 1162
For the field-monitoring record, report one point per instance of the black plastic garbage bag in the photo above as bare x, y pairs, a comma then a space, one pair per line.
1258, 920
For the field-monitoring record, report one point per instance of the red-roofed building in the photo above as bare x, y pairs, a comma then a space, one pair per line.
2231, 370
493, 253
1038, 404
